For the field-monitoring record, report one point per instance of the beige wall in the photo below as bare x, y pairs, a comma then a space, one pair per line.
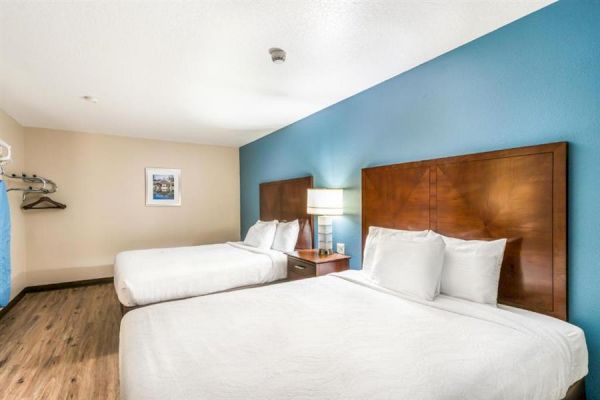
101, 178
12, 133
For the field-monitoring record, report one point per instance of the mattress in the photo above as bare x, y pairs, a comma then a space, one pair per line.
342, 337
155, 275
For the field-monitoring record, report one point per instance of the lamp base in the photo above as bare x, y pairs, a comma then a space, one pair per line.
325, 252
325, 233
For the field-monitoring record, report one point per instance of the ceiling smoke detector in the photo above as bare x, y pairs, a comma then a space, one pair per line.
277, 55
91, 99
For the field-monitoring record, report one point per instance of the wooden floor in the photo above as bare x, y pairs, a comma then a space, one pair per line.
61, 344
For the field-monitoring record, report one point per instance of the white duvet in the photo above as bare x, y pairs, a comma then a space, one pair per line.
339, 337
155, 275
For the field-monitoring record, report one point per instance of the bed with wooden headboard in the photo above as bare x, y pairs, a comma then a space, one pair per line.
519, 194
157, 275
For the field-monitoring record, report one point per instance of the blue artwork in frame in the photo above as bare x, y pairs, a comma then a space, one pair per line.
163, 187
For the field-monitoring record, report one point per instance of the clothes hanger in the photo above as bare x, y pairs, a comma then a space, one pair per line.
47, 186
38, 204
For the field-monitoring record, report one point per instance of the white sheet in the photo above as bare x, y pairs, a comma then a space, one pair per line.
340, 337
154, 275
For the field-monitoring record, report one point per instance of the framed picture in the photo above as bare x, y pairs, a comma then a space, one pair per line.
163, 187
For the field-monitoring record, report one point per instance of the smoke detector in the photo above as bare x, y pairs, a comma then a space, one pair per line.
277, 55
90, 99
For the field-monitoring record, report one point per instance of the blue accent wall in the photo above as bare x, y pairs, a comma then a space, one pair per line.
534, 81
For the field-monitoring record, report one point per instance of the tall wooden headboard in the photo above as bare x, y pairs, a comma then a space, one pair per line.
519, 194
286, 201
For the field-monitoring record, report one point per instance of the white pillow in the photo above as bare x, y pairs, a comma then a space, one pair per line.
261, 234
472, 269
377, 234
286, 236
410, 266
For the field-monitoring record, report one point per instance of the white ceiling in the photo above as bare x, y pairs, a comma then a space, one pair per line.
199, 71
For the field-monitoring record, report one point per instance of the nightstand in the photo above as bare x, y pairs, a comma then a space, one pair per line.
308, 263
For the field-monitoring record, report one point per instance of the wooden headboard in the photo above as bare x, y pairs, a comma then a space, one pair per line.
286, 201
519, 194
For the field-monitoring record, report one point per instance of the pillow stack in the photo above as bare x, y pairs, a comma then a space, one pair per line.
286, 236
410, 266
472, 269
261, 234
377, 235
280, 236
423, 264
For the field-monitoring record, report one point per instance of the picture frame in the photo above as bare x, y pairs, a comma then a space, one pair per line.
163, 187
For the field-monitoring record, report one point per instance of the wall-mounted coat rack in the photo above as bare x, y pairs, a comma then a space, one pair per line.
35, 184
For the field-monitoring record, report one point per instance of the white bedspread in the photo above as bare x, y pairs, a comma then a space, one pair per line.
155, 275
338, 337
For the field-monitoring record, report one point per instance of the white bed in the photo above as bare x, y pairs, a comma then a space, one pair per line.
150, 276
342, 337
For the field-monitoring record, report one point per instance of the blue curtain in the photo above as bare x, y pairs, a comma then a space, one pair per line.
4, 247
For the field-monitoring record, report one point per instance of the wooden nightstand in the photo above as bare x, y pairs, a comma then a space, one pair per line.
308, 263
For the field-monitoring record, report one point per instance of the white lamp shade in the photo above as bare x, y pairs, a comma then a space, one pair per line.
325, 202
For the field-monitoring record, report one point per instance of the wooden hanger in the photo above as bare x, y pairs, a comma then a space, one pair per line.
44, 199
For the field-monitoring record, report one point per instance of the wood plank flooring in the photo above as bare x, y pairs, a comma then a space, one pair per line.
61, 344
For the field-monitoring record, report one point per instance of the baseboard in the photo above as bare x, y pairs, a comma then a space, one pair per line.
52, 286
67, 285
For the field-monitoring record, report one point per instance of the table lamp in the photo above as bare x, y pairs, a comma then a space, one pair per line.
325, 203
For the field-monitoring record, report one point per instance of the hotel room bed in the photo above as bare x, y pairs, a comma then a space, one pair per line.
342, 337
151, 276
